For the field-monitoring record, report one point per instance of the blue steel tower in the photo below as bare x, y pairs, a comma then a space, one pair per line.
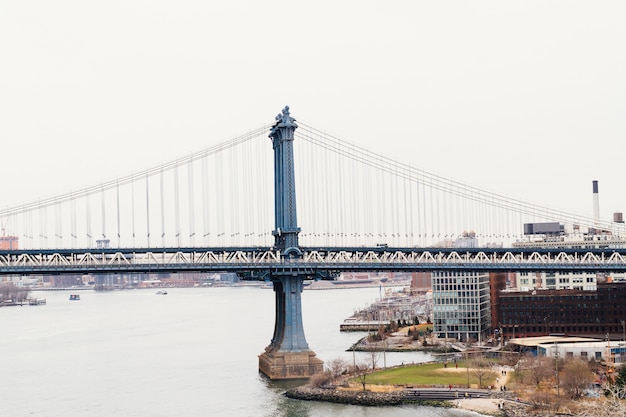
288, 356
285, 214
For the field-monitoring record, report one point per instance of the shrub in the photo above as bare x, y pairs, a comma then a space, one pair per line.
320, 380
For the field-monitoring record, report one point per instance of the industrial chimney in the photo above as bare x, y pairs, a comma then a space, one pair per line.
596, 205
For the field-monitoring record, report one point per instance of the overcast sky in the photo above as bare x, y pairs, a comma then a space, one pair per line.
526, 99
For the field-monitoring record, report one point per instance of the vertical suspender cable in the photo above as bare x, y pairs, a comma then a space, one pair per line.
132, 209
340, 178
119, 231
219, 182
397, 202
432, 214
205, 199
191, 202
31, 231
364, 203
231, 193
148, 209
41, 225
177, 206
162, 192
88, 220
57, 225
407, 207
73, 222
437, 210
103, 213
381, 201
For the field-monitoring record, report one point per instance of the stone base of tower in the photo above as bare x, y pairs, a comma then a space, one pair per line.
290, 365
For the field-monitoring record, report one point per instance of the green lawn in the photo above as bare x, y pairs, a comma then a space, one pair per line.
427, 374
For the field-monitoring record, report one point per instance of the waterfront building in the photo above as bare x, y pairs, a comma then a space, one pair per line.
461, 305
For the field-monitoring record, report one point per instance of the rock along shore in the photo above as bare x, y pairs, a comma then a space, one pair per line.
365, 398
485, 406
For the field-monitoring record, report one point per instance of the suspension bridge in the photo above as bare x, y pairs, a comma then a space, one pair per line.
359, 211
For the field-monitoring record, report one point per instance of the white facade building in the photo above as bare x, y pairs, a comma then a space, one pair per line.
461, 305
610, 351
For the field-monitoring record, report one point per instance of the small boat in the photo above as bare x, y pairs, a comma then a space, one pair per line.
37, 301
74, 297
161, 292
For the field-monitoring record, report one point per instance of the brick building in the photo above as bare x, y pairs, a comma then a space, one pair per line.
598, 313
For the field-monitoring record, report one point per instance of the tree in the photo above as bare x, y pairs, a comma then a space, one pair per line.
361, 370
481, 368
539, 368
610, 405
576, 377
8, 291
336, 368
374, 356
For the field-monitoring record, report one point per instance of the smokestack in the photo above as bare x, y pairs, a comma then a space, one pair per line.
596, 204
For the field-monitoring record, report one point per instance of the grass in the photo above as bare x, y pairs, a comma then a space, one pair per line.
424, 375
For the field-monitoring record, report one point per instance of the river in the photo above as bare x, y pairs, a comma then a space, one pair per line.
190, 353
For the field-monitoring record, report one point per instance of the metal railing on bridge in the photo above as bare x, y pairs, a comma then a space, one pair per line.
313, 260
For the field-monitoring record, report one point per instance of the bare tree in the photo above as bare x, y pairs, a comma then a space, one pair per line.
539, 368
336, 368
374, 356
576, 376
609, 405
361, 370
8, 291
481, 368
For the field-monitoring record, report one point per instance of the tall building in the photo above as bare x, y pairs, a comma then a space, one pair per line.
461, 305
497, 283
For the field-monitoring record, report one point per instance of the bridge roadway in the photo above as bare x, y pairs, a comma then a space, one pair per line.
257, 262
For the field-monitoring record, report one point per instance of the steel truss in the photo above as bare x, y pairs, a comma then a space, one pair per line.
313, 261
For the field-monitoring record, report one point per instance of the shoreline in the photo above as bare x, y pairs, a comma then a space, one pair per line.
490, 406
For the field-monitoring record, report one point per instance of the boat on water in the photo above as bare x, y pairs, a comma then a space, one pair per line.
36, 301
161, 292
74, 297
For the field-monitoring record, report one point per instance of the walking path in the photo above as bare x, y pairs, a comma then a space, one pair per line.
489, 405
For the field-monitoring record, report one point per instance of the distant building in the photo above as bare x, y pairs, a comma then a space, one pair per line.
555, 235
421, 280
9, 243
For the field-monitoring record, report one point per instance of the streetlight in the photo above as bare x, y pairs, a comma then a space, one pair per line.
556, 366
623, 344
467, 366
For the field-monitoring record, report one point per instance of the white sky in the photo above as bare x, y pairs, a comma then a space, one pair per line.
524, 98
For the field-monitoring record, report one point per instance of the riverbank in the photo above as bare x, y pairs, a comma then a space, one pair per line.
486, 406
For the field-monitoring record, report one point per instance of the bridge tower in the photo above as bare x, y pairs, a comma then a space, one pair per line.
288, 355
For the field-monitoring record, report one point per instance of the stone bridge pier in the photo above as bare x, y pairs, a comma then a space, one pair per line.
288, 355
